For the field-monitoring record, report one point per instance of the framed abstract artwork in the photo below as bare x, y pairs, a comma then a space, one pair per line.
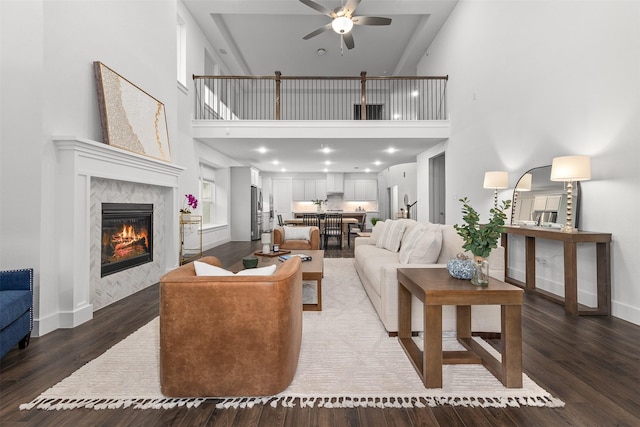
131, 118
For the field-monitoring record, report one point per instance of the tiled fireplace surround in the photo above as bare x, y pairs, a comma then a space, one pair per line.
89, 173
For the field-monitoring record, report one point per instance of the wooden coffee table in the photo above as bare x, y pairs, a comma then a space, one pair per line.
311, 270
435, 288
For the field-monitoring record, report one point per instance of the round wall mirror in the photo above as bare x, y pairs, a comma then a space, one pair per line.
538, 201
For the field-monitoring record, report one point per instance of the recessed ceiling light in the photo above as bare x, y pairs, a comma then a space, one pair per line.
327, 162
283, 170
396, 116
321, 52
390, 150
377, 163
326, 150
414, 93
262, 150
326, 169
275, 162
367, 170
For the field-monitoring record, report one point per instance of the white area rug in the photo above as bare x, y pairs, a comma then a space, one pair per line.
347, 360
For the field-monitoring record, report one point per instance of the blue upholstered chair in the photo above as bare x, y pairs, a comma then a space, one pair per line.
16, 308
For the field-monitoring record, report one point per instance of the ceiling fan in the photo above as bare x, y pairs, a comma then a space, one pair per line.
343, 20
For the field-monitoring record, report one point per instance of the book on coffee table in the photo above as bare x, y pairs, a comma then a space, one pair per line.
303, 257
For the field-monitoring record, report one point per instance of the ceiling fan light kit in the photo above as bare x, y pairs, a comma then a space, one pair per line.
342, 25
343, 20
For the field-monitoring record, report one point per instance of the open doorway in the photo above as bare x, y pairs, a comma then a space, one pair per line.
393, 201
437, 190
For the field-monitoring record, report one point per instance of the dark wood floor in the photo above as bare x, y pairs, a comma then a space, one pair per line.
592, 363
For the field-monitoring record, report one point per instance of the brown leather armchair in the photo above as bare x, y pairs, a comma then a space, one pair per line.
229, 335
313, 243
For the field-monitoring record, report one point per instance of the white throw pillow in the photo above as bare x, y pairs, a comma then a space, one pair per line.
204, 269
261, 271
376, 233
392, 235
428, 246
297, 233
409, 242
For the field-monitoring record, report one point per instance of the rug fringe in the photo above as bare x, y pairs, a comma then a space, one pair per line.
56, 404
390, 402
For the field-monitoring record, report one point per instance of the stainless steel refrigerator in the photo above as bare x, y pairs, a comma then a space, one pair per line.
256, 213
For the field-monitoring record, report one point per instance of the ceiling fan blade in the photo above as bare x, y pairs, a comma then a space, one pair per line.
320, 8
318, 31
350, 7
370, 20
348, 40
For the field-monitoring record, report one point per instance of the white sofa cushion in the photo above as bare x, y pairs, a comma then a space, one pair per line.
422, 246
391, 235
376, 233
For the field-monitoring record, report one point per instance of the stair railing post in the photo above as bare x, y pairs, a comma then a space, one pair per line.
278, 74
363, 95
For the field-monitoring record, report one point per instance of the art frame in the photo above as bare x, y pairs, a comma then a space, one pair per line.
131, 119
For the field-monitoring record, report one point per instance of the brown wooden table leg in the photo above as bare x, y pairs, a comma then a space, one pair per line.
530, 268
432, 354
463, 321
511, 319
570, 278
603, 275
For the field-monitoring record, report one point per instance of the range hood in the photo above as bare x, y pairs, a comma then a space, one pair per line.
335, 183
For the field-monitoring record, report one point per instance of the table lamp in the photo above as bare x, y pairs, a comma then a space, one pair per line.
266, 243
496, 180
569, 169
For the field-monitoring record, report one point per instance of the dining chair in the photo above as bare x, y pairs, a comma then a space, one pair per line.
359, 227
280, 221
332, 228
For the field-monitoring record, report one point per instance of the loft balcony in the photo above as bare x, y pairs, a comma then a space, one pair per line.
278, 97
234, 110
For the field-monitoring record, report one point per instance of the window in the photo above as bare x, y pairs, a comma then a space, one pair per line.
181, 42
207, 194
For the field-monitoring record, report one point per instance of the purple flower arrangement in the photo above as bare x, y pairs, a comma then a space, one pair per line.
191, 203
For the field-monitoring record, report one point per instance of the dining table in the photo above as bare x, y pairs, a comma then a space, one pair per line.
346, 222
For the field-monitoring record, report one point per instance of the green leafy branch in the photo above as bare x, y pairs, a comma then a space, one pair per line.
478, 238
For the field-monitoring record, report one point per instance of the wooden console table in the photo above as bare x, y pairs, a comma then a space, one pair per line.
570, 242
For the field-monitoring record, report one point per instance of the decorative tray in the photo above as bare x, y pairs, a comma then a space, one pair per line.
272, 254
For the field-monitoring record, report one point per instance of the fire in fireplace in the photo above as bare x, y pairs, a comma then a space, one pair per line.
127, 236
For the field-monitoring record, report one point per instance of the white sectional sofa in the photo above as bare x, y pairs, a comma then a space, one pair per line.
421, 245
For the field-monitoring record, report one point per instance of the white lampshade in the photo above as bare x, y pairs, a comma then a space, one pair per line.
266, 238
525, 183
571, 168
342, 25
496, 179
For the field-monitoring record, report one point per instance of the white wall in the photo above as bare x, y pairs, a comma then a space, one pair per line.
532, 80
48, 89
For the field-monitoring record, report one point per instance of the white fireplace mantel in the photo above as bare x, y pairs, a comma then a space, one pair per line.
78, 160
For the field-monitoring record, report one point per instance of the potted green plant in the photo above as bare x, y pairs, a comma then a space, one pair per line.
480, 239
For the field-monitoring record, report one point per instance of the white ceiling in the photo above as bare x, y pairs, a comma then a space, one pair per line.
259, 37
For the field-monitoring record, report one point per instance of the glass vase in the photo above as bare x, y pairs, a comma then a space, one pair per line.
481, 272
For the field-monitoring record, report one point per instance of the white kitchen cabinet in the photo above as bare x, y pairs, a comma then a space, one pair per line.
321, 189
371, 189
298, 190
255, 178
349, 189
309, 189
360, 189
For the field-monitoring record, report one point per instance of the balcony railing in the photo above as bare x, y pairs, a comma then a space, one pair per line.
320, 98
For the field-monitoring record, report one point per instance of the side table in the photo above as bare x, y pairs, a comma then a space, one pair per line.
435, 288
